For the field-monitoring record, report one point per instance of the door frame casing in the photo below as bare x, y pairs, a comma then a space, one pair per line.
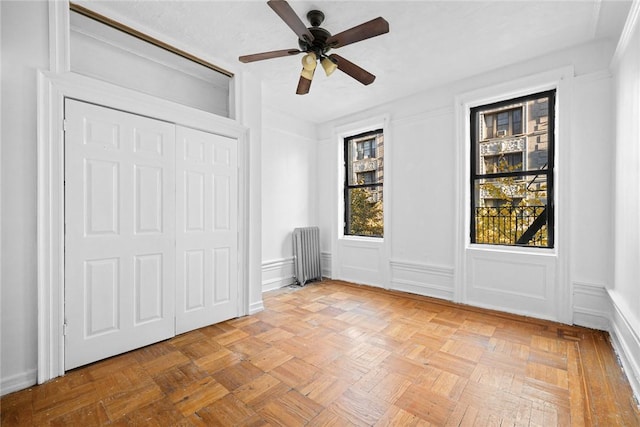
53, 88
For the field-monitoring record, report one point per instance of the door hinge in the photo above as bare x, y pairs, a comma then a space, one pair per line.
64, 329
64, 125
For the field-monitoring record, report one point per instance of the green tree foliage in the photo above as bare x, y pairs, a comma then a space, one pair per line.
365, 214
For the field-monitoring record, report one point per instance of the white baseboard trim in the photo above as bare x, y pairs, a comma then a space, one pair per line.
591, 306
277, 274
625, 339
422, 279
325, 262
256, 307
18, 382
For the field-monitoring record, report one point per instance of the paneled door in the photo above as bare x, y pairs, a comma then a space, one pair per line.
119, 232
206, 229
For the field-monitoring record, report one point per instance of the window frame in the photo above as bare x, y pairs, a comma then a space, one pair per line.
346, 232
475, 134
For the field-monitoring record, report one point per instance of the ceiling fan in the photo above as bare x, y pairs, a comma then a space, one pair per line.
316, 43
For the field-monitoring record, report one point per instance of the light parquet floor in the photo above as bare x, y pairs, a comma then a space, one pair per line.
336, 354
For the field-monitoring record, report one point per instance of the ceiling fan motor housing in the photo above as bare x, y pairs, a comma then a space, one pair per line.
320, 35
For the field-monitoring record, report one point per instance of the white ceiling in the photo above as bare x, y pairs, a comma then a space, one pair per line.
430, 43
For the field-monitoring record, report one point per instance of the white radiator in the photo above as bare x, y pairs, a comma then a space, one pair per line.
306, 254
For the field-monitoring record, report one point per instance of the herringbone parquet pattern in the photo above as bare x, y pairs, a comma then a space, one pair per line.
337, 354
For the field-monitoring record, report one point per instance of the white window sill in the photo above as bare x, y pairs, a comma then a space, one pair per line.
547, 252
362, 239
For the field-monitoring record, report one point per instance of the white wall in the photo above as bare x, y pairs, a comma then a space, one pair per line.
24, 49
105, 53
288, 191
424, 208
625, 294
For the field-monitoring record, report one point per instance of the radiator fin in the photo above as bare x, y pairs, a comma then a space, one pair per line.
306, 254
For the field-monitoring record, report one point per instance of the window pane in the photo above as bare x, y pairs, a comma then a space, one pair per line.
507, 162
367, 177
527, 150
503, 121
365, 211
511, 211
488, 123
364, 167
517, 122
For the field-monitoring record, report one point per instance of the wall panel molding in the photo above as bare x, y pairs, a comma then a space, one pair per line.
277, 274
422, 279
591, 306
625, 339
325, 262
256, 307
18, 382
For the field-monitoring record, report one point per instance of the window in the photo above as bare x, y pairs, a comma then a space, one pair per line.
366, 149
502, 162
512, 146
498, 124
367, 177
364, 173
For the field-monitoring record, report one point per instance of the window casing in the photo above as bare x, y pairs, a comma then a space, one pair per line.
512, 161
363, 187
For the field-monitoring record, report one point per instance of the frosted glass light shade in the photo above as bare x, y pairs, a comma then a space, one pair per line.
307, 74
328, 65
309, 61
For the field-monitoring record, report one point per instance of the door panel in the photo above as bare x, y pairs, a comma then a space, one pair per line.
206, 229
119, 232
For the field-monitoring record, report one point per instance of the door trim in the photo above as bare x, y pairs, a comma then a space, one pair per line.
52, 90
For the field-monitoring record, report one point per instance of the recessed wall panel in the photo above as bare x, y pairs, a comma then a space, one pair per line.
148, 199
221, 278
101, 197
148, 288
194, 265
528, 280
101, 290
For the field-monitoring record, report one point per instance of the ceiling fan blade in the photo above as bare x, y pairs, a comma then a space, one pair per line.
288, 15
304, 84
351, 69
373, 28
269, 55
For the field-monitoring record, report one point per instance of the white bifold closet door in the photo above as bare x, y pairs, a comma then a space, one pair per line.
150, 231
206, 229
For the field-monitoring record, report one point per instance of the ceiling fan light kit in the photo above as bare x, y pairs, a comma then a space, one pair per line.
328, 65
316, 43
309, 61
